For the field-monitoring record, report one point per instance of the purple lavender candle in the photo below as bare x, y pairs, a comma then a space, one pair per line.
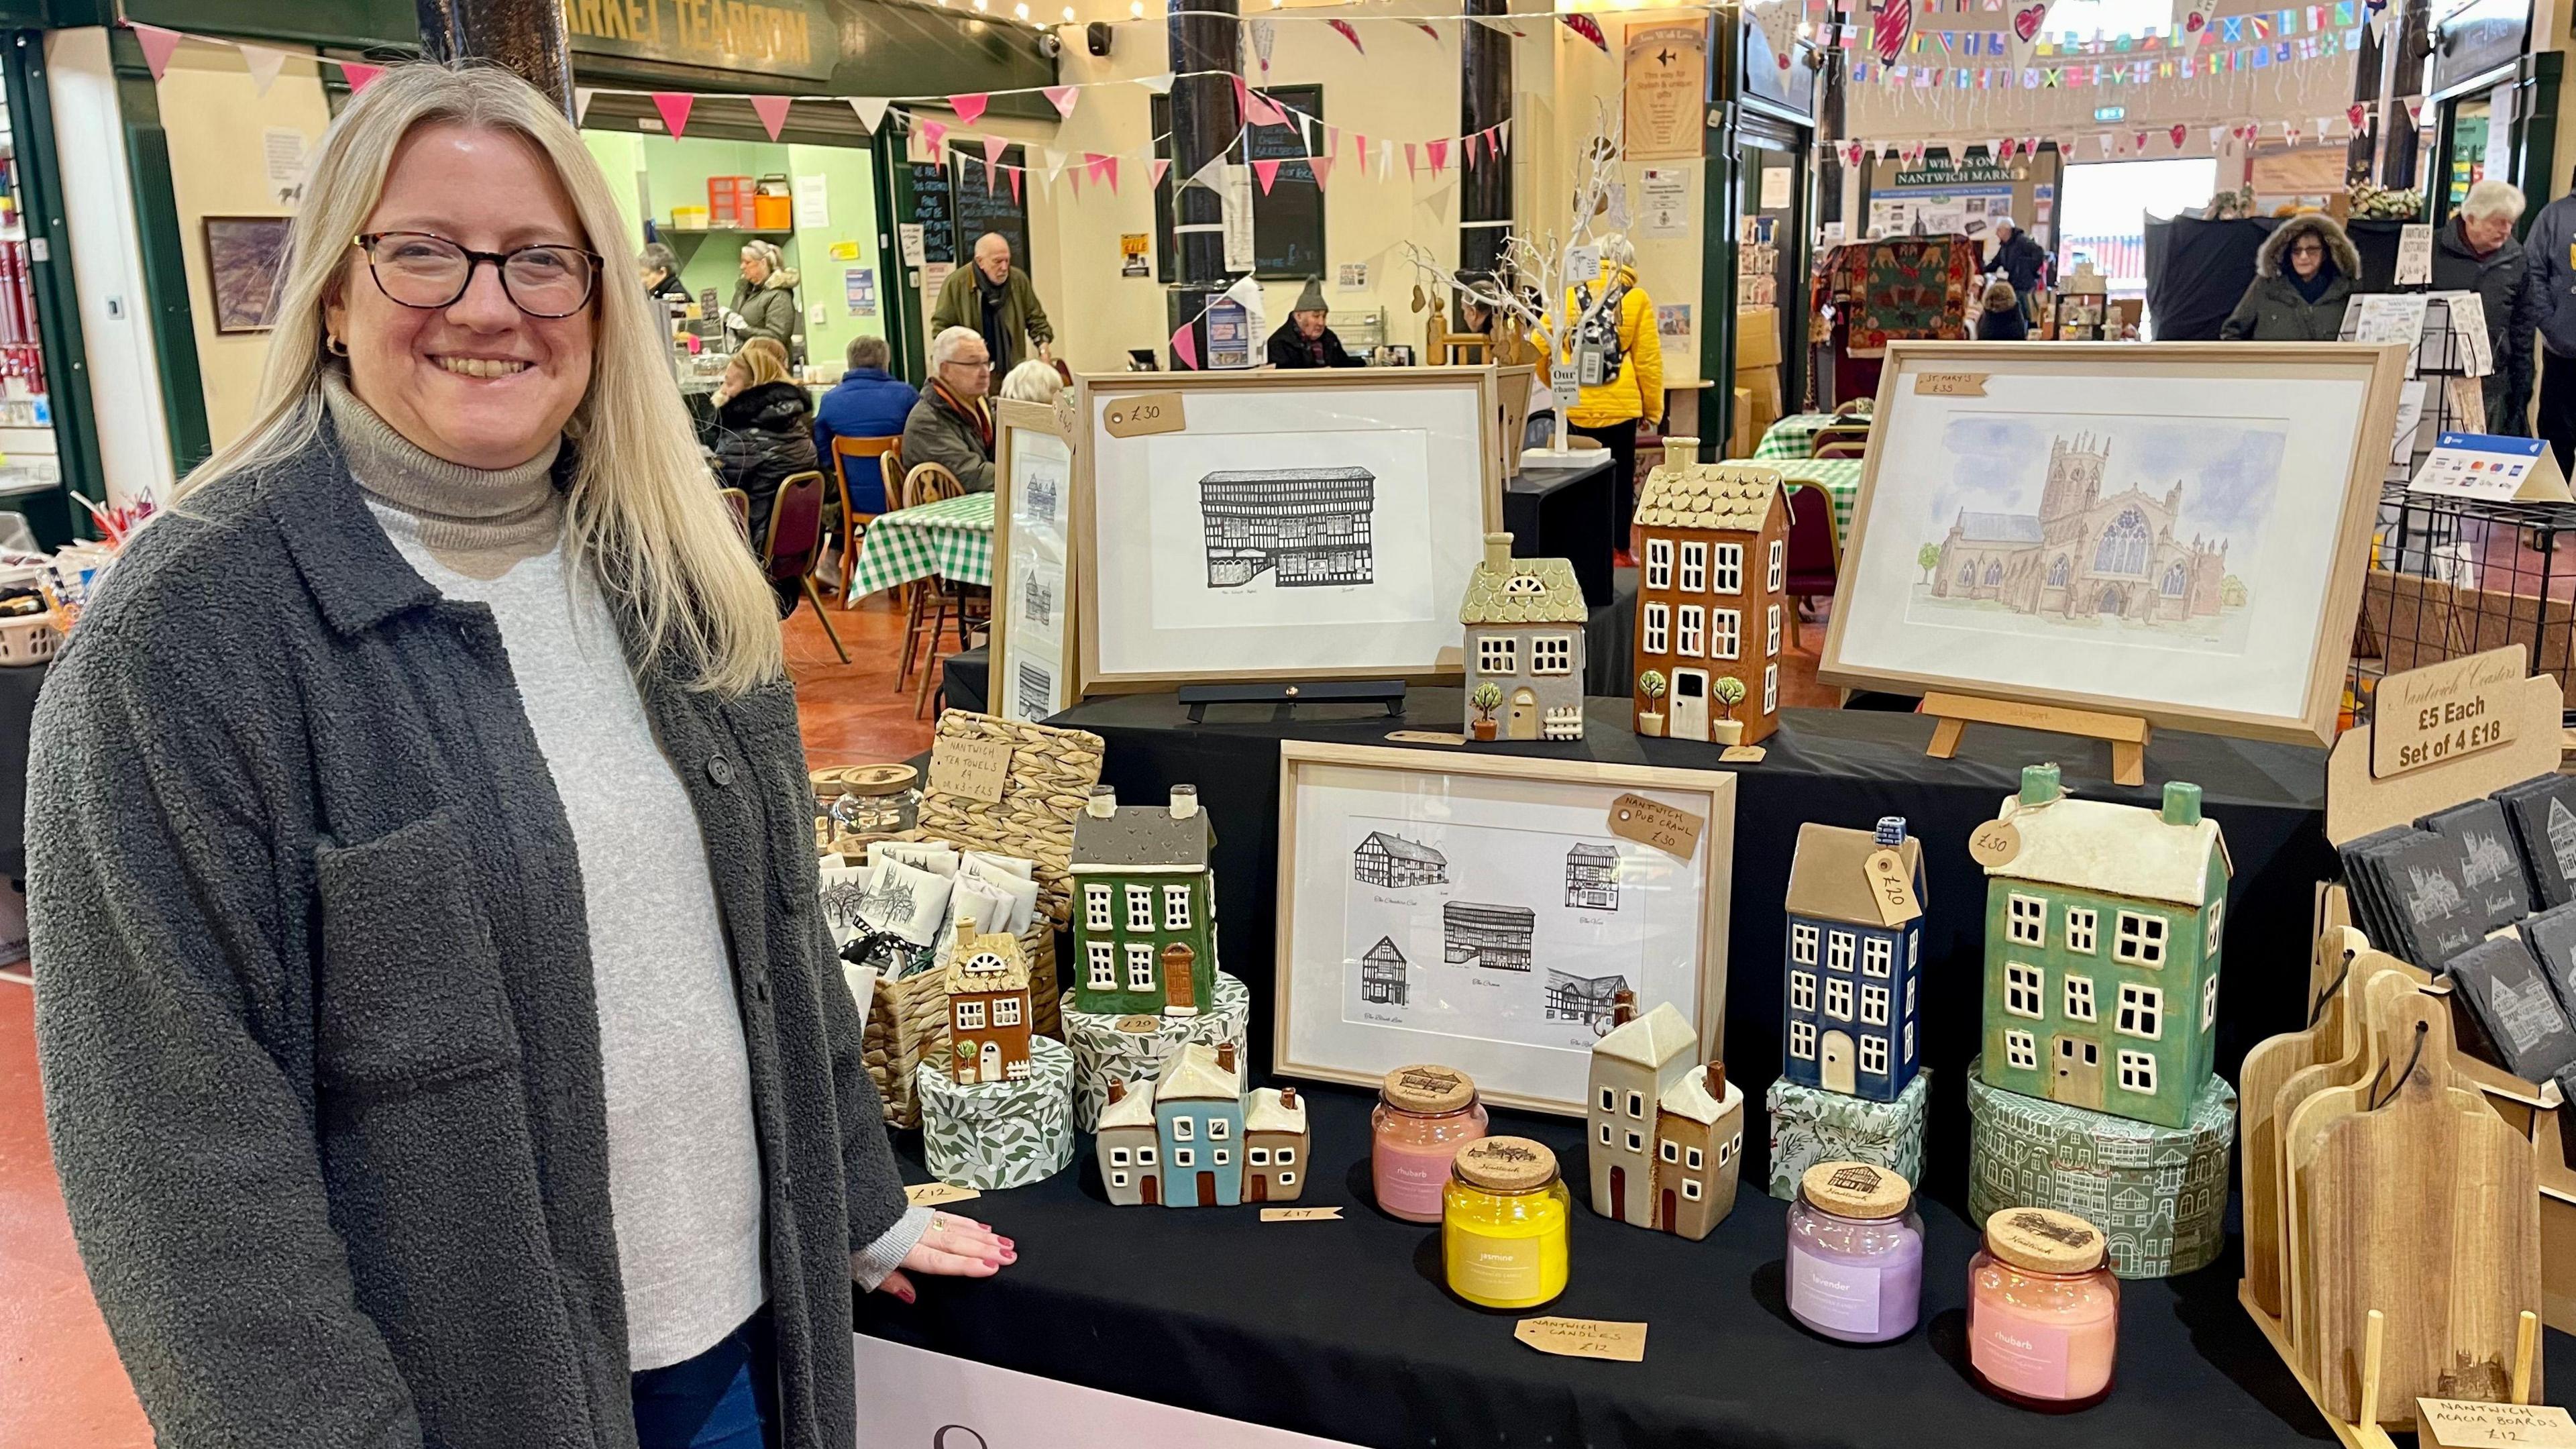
1855, 1253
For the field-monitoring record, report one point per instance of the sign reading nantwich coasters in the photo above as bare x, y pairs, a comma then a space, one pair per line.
976, 769
2467, 1424
934, 1194
1651, 822
1584, 1338
1995, 843
1144, 415
2443, 711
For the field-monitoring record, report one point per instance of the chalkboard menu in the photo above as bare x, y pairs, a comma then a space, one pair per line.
933, 206
1288, 223
983, 202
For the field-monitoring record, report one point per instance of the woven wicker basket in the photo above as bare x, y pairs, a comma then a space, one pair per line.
1052, 772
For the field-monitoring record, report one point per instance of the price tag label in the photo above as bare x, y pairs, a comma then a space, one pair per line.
1892, 889
2444, 711
2466, 1424
1995, 843
937, 1194
1741, 755
1949, 384
1144, 415
1425, 737
1584, 1338
2415, 254
1301, 1215
1582, 265
972, 769
1667, 828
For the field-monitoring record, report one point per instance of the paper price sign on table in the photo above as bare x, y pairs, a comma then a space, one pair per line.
2492, 469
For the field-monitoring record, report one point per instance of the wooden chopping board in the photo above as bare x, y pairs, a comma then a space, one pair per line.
2267, 1069
2377, 978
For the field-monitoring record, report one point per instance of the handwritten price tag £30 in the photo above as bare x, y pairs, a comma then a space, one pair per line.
1995, 843
1651, 822
1144, 415
1584, 1338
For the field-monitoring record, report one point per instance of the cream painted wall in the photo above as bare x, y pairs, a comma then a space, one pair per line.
219, 122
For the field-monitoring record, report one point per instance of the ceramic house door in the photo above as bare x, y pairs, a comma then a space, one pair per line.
1258, 1188
1618, 1193
1180, 993
989, 1067
1690, 705
1669, 1219
1837, 1058
2077, 1080
1207, 1189
1522, 722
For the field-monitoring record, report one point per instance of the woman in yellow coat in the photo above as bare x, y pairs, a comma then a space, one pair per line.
1630, 386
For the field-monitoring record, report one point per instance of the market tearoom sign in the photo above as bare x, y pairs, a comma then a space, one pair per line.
781, 37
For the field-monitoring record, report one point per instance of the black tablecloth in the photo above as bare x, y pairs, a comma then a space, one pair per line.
1342, 1329
1844, 767
18, 689
1565, 513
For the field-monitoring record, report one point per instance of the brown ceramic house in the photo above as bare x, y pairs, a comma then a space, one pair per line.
1712, 605
1699, 1137
988, 1009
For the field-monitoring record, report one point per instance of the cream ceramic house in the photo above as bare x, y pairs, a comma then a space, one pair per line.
1274, 1145
1524, 620
1633, 1066
1130, 1170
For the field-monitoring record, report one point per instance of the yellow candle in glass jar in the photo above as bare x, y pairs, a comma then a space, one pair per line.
1503, 1217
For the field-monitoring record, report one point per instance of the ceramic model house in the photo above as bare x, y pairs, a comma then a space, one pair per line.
1699, 1146
1633, 1065
1524, 619
1496, 938
988, 1009
1382, 974
1143, 921
1274, 1145
1593, 1000
1128, 1146
1397, 863
2102, 951
1591, 878
1853, 1000
1198, 1121
1712, 605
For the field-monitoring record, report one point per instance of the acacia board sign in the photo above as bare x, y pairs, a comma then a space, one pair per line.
2444, 711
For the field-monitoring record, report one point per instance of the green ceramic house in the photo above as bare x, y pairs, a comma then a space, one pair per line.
2102, 952
1144, 902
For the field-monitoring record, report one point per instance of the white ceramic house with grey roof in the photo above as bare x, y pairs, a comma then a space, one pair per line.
1128, 1146
1144, 902
1524, 619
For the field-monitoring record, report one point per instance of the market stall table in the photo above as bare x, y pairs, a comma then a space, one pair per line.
1791, 437
952, 538
1840, 477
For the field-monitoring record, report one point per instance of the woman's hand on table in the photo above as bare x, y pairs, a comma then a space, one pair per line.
954, 1247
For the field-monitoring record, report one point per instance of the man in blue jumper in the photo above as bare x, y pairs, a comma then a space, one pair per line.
868, 402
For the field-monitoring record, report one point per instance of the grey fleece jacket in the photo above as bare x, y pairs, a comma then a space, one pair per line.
315, 1004
2549, 248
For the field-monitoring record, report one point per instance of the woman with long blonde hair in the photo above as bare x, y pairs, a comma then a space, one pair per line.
441, 1042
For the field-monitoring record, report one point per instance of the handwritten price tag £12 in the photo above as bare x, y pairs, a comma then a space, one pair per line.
1584, 1338
1995, 843
1652, 822
935, 1194
1144, 415
2465, 1424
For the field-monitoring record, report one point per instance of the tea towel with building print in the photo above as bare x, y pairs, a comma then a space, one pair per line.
1667, 1133
1193, 1138
1713, 611
1524, 619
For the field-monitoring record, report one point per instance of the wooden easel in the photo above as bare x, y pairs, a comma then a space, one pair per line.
2128, 733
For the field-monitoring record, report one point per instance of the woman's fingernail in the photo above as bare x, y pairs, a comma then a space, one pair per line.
903, 1293
1005, 1242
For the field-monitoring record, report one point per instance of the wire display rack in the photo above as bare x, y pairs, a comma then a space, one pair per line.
2453, 576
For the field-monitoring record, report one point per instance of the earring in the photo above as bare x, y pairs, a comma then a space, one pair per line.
334, 346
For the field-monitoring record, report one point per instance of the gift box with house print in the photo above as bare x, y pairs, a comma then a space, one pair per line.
997, 1104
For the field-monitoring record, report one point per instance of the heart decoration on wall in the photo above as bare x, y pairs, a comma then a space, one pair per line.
2196, 17
1889, 29
2028, 21
2178, 133
2356, 113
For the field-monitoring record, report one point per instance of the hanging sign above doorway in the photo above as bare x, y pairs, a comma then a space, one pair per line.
764, 37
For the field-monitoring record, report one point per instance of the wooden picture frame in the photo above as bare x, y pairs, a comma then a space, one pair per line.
1445, 416
1324, 978
1957, 424
244, 255
1035, 580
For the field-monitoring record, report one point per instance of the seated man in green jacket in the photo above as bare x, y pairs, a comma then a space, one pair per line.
1000, 303
952, 425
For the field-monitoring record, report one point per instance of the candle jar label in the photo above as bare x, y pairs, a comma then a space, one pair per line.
2019, 1356
1409, 1184
1497, 1269
1833, 1295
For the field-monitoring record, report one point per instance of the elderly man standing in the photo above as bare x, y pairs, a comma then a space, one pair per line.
2477, 253
999, 302
2020, 261
1306, 341
952, 425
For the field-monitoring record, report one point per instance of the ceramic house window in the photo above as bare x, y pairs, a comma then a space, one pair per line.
1838, 998
2028, 925
1117, 1179
1776, 575
1140, 965
2021, 1049
1144, 1157
2138, 1073
1185, 1157
1609, 1099
1730, 569
1802, 1040
1873, 1055
1497, 654
1802, 944
2079, 932
1287, 1155
1770, 689
1692, 624
1140, 908
1696, 1160
1875, 954
1909, 994
1104, 966
1838, 950
1095, 907
1725, 633
1287, 1179
1222, 1155
2079, 998
970, 1016
1802, 991
1771, 629
1671, 1150
1909, 1041
2022, 988
1118, 1157
1006, 1011
1913, 949
1659, 563
1659, 628
1636, 1143
1524, 585
1690, 1188
2141, 939
1605, 1134
2217, 909
2142, 1011
1873, 1005
1176, 908
1694, 567
2209, 1002
1185, 1129
1219, 1128
1637, 1104
1552, 654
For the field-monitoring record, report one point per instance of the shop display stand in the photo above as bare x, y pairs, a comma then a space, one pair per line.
1387, 692
2364, 1432
2128, 734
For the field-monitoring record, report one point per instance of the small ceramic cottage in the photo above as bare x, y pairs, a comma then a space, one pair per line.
1851, 1007
1713, 612
1666, 1131
2102, 951
1194, 1140
1524, 621
988, 1008
1143, 928
1129, 1148
1274, 1145
1699, 1141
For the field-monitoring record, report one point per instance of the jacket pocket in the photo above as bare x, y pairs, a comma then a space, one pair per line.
409, 982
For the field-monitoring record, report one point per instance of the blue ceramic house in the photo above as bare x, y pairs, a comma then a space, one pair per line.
1198, 1122
1852, 1007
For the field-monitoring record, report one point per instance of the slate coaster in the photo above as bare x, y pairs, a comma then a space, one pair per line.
2501, 986
2490, 867
2551, 935
2430, 914
2371, 908
2542, 813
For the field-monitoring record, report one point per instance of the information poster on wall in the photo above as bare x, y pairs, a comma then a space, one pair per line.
1131, 254
282, 147
859, 290
1238, 219
1775, 187
1667, 73
813, 202
1663, 202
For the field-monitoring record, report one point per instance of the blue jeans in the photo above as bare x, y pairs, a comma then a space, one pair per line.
725, 1398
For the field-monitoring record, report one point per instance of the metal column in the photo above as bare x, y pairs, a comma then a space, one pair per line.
1206, 48
1484, 100
525, 35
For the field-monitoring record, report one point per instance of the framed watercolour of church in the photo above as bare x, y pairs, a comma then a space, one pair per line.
2176, 531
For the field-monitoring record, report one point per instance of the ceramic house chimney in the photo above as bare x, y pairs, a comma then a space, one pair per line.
1287, 1096
1498, 552
1680, 453
2182, 803
1225, 1056
1623, 1008
1185, 801
1717, 1080
1890, 833
1103, 803
2039, 784
1117, 1090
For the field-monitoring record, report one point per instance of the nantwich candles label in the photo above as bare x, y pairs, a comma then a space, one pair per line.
971, 769
2465, 1424
1949, 384
1651, 822
1301, 1215
1144, 415
936, 1194
1994, 843
1584, 1338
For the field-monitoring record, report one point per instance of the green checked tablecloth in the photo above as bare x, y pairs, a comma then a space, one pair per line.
1840, 477
1791, 437
952, 538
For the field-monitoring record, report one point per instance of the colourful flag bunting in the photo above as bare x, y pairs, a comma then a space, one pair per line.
673, 106
158, 45
772, 111
970, 106
1062, 98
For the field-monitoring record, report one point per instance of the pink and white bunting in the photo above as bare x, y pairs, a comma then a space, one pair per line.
772, 111
673, 107
1063, 98
970, 106
158, 45
1267, 173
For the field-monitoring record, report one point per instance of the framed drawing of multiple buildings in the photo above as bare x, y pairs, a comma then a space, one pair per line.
1486, 912
2175, 531
1032, 667
1280, 525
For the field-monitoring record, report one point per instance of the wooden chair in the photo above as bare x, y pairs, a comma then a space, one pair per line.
890, 483
1815, 552
1840, 440
795, 544
966, 603
861, 506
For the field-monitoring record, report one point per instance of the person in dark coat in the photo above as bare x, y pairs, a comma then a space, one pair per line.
2020, 261
2304, 300
2001, 320
763, 435
2476, 252
659, 268
764, 302
1306, 341
868, 402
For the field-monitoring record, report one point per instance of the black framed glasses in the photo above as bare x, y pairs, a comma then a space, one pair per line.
427, 271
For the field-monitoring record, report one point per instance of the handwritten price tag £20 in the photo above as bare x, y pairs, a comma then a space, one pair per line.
1891, 888
1584, 1338
1995, 843
1651, 822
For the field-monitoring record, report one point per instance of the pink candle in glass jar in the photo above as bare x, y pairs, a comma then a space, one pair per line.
1424, 1115
2043, 1310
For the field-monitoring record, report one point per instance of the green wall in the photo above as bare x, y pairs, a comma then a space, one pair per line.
852, 196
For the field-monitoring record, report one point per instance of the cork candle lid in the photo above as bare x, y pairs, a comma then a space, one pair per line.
878, 779
2040, 1240
1855, 1190
1428, 1089
1505, 1164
